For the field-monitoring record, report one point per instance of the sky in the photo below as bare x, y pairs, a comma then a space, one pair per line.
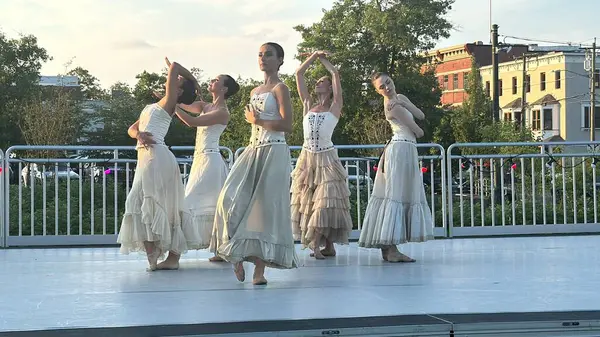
117, 39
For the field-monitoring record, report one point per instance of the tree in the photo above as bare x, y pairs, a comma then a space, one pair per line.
90, 86
146, 85
378, 35
20, 63
122, 110
52, 121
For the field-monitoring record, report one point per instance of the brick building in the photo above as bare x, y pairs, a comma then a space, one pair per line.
452, 65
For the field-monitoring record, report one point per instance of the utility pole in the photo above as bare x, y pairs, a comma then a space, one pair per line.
524, 91
593, 93
496, 97
497, 191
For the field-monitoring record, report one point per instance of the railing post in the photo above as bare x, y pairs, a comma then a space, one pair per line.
4, 173
229, 156
449, 208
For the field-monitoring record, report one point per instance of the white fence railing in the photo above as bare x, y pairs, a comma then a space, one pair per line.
3, 228
522, 188
75, 200
77, 196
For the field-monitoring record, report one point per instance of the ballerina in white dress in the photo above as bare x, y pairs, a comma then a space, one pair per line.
397, 211
209, 170
254, 206
320, 193
156, 219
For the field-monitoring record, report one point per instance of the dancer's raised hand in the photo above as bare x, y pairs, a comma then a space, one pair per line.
323, 53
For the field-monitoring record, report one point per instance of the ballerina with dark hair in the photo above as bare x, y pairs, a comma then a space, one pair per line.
209, 170
156, 219
254, 206
397, 211
320, 194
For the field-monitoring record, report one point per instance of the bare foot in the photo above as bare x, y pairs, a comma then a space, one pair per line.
259, 281
328, 251
399, 257
152, 253
325, 252
318, 255
168, 264
216, 258
240, 273
259, 273
384, 253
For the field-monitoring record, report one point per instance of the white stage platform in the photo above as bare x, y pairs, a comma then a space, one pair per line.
458, 287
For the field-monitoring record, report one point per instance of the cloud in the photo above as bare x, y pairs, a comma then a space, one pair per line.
132, 44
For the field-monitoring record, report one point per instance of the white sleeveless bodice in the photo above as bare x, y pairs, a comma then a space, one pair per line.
401, 132
207, 138
267, 108
318, 129
156, 121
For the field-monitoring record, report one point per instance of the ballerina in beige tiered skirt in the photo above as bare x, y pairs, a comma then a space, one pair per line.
320, 194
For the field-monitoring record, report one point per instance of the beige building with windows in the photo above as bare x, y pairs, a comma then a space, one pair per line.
557, 94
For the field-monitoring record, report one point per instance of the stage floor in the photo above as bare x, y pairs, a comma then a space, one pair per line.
74, 288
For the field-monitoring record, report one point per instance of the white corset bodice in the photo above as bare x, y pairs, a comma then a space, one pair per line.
156, 121
400, 131
267, 108
318, 129
207, 138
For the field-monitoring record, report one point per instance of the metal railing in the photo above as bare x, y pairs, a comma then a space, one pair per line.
71, 195
361, 177
522, 188
74, 195
3, 227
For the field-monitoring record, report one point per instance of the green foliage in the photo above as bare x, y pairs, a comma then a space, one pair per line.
90, 86
68, 208
121, 110
367, 36
54, 120
20, 63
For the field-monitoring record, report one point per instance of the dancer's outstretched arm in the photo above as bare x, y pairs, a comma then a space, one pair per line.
336, 83
416, 112
300, 80
282, 94
397, 112
218, 116
195, 108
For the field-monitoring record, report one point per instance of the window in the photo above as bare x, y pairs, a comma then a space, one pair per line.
514, 85
446, 82
508, 116
548, 116
535, 119
528, 84
455, 81
557, 79
487, 88
499, 87
597, 78
586, 117
543, 81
